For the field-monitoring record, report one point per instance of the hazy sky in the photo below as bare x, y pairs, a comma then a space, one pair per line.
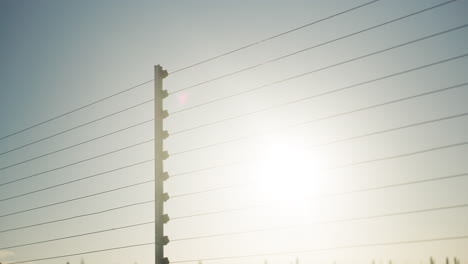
56, 56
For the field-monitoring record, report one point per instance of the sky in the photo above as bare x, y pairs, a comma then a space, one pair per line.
300, 167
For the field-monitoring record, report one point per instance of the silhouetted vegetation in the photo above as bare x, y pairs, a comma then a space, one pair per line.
431, 261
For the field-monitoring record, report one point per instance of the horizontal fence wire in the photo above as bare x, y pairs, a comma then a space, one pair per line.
313, 96
286, 227
77, 144
246, 208
249, 231
76, 110
342, 220
76, 180
384, 131
76, 216
190, 66
272, 37
76, 127
304, 50
85, 253
388, 186
77, 198
75, 163
351, 164
462, 85
79, 235
277, 253
187, 196
357, 163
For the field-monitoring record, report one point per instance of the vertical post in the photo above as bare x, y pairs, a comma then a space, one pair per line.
160, 155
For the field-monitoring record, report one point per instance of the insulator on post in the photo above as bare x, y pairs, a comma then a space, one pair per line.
165, 218
165, 261
165, 176
165, 240
164, 114
164, 155
165, 134
164, 73
164, 94
165, 197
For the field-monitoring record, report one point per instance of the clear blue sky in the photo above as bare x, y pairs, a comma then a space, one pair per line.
56, 56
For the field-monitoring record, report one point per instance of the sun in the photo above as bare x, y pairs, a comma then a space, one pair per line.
287, 174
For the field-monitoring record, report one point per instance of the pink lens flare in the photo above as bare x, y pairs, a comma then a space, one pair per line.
182, 98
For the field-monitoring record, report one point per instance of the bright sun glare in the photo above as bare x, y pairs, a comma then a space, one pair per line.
287, 174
